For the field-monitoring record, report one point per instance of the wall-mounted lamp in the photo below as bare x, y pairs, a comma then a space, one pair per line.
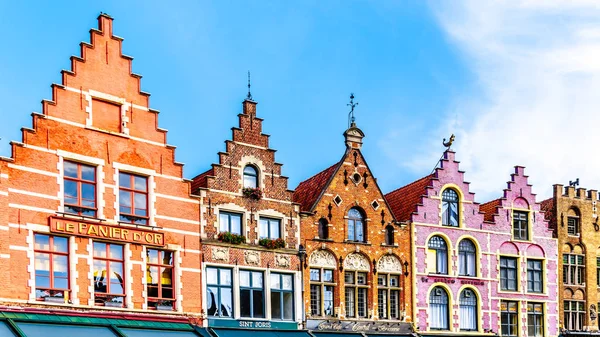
302, 256
341, 259
374, 267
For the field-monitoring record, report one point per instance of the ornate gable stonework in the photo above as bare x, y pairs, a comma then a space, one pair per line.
322, 258
356, 261
390, 264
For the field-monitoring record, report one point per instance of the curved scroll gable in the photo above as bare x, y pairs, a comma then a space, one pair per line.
322, 258
390, 264
356, 261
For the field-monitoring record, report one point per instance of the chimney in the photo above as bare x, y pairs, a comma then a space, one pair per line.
354, 137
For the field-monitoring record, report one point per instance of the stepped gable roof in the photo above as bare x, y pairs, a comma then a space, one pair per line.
308, 192
404, 200
201, 180
490, 209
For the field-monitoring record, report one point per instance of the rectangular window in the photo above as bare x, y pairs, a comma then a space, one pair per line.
133, 199
573, 226
356, 294
80, 189
534, 276
508, 318
51, 268
508, 273
219, 293
270, 228
535, 320
598, 275
321, 292
520, 225
388, 296
159, 279
252, 294
109, 279
282, 297
573, 269
230, 222
574, 318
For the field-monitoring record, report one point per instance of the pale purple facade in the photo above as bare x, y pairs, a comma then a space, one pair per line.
463, 297
538, 246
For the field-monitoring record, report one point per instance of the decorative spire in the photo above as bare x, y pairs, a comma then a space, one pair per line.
249, 97
352, 105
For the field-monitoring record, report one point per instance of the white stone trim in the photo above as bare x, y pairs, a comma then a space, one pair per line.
171, 197
4, 175
178, 274
233, 208
179, 231
31, 258
81, 158
103, 95
127, 254
33, 194
144, 263
170, 218
38, 148
90, 258
73, 274
31, 208
273, 214
191, 270
32, 170
4, 193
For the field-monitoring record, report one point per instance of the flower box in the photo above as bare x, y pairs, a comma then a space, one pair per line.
272, 244
232, 238
252, 193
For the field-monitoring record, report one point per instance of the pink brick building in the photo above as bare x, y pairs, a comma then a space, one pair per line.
469, 268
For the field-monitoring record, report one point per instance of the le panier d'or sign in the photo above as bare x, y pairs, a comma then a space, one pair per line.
108, 232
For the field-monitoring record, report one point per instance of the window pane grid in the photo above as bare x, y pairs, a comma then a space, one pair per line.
282, 296
80, 189
219, 292
269, 228
230, 222
574, 315
508, 318
109, 283
450, 208
356, 293
133, 199
573, 226
520, 225
573, 269
252, 294
159, 277
535, 320
388, 296
534, 276
51, 267
508, 273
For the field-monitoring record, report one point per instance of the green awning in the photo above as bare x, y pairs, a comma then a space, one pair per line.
225, 332
21, 324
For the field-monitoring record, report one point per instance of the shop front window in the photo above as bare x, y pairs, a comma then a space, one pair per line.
282, 296
252, 294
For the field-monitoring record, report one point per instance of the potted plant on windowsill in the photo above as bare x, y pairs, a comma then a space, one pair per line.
253, 193
232, 238
165, 305
272, 244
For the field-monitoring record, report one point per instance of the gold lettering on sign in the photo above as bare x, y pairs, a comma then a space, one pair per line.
94, 230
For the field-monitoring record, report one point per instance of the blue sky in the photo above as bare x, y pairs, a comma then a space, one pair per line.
419, 70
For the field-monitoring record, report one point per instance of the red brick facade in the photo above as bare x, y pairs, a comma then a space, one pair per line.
326, 201
98, 117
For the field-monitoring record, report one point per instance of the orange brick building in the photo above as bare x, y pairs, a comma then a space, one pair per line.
94, 212
250, 234
356, 276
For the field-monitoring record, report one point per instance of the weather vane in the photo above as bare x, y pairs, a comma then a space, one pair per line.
352, 105
249, 97
449, 142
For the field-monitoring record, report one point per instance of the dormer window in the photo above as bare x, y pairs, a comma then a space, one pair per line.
450, 208
250, 177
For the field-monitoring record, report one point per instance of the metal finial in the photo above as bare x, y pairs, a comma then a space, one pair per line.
249, 97
352, 105
449, 142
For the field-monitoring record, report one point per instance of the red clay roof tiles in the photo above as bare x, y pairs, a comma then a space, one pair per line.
490, 208
403, 201
307, 193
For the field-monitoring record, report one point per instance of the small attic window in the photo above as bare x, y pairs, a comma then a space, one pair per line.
375, 204
338, 200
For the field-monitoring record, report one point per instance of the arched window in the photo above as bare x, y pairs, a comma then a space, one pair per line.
450, 208
466, 258
389, 235
323, 229
356, 228
250, 177
573, 227
438, 309
468, 310
439, 254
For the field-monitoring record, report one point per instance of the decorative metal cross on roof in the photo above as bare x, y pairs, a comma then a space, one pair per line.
249, 97
352, 105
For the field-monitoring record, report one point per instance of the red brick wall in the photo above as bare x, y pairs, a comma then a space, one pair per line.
354, 195
91, 115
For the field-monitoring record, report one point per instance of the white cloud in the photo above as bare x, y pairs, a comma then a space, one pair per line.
538, 66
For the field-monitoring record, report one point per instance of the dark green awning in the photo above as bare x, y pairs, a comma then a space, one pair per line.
22, 324
225, 332
336, 334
